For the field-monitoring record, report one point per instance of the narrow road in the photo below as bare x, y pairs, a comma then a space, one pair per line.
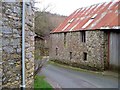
68, 78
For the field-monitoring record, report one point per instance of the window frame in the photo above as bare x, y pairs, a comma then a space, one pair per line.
71, 55
85, 55
83, 36
65, 36
56, 51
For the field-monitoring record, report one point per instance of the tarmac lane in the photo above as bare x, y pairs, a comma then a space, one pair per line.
69, 78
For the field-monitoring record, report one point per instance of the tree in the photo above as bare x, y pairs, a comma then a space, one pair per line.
43, 26
44, 23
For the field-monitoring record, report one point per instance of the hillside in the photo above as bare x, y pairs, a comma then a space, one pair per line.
55, 19
45, 22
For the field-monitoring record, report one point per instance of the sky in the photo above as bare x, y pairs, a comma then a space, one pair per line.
65, 7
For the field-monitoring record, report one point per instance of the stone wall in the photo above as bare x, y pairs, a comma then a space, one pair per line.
71, 52
12, 44
29, 44
0, 45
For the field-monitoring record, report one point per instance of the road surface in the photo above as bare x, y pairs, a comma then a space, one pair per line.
68, 78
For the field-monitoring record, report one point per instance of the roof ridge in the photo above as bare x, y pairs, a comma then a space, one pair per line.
98, 4
92, 5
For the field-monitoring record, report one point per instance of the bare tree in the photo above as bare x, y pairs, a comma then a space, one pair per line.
42, 27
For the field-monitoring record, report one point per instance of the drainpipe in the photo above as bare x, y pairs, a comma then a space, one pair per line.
23, 45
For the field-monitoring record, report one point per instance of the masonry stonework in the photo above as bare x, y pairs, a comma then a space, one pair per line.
72, 50
0, 45
12, 44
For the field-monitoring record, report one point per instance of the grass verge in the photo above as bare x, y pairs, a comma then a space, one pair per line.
83, 70
73, 68
41, 84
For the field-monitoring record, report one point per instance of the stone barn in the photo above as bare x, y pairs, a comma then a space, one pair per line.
15, 14
89, 38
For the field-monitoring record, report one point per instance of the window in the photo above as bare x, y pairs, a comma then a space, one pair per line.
84, 56
70, 55
70, 21
65, 39
83, 36
94, 16
90, 21
56, 51
66, 27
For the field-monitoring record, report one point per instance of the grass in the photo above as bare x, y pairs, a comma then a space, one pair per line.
41, 84
84, 70
74, 68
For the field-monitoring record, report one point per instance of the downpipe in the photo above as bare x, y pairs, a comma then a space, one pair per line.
23, 46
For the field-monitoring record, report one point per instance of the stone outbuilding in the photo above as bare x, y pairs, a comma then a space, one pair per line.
89, 38
39, 46
11, 14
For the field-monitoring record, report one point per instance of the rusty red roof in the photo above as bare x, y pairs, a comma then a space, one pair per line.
98, 16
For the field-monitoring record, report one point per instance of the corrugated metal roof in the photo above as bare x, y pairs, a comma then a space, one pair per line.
98, 16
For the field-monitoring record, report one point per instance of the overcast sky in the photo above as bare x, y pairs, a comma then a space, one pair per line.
66, 7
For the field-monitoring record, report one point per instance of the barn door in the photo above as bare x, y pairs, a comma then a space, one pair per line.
114, 50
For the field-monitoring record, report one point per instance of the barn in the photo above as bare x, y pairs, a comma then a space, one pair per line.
89, 38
